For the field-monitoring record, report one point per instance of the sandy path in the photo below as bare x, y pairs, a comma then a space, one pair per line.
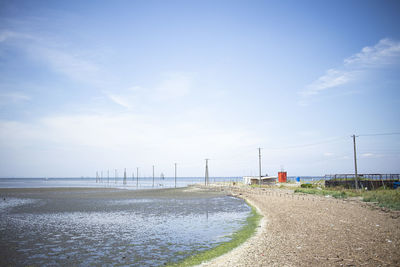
306, 230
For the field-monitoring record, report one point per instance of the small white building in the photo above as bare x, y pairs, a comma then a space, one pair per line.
255, 180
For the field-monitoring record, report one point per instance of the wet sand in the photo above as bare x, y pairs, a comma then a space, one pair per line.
308, 230
74, 192
92, 226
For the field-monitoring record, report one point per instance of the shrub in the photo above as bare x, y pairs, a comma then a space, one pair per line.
306, 186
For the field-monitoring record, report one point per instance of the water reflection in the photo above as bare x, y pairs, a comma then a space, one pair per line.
138, 232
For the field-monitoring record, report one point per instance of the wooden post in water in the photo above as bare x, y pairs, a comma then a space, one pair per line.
115, 176
108, 176
153, 175
206, 175
175, 175
162, 179
125, 176
137, 177
97, 176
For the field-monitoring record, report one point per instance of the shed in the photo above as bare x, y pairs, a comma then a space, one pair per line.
255, 180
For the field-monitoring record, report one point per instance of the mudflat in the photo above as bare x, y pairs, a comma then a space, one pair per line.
92, 226
74, 192
308, 230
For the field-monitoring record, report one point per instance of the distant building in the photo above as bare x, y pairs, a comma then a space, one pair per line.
265, 180
282, 177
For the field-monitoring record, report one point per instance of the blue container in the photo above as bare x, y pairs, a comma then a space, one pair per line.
298, 179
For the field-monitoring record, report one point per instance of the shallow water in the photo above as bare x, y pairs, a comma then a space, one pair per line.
133, 184
88, 228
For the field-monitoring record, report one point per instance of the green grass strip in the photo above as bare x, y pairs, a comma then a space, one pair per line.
388, 198
238, 238
324, 192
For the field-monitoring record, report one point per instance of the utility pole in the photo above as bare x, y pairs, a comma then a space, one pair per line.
206, 175
259, 165
355, 161
137, 177
175, 175
153, 175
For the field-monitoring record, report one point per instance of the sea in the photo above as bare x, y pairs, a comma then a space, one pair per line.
131, 183
111, 182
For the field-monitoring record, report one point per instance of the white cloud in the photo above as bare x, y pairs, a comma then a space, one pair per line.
56, 56
122, 139
174, 85
71, 65
7, 35
385, 52
371, 155
367, 155
120, 100
332, 78
13, 97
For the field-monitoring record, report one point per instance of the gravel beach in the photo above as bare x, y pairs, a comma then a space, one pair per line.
308, 230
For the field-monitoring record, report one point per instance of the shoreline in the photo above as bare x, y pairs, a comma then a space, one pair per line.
239, 238
295, 230
229, 258
309, 230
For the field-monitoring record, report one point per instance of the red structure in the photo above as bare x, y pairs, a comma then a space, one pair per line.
282, 177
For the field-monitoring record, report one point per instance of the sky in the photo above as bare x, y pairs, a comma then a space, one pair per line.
88, 86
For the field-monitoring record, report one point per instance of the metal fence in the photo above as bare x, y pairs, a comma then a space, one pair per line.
368, 181
374, 176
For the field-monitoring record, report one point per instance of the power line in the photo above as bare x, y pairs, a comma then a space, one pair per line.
312, 144
333, 140
377, 134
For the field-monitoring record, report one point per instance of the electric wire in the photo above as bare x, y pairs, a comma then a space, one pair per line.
378, 134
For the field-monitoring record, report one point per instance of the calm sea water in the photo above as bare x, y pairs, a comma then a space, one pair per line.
141, 183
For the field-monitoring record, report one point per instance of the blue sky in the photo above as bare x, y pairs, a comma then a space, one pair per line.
87, 86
